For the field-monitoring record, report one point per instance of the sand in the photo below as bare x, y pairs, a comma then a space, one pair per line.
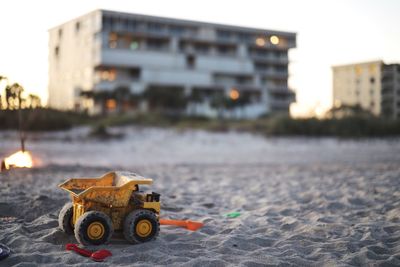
303, 202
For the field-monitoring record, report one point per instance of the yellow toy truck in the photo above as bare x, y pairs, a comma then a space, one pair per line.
112, 202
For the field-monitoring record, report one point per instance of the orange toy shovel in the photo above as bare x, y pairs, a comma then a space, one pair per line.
190, 225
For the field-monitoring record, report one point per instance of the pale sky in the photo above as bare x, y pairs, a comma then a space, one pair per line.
329, 33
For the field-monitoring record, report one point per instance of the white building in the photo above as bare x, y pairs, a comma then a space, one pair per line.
106, 50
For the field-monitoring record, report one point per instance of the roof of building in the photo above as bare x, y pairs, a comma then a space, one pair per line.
183, 22
358, 64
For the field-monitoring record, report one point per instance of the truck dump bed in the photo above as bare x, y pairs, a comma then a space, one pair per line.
113, 188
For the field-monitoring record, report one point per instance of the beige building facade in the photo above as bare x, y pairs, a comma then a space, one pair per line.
358, 84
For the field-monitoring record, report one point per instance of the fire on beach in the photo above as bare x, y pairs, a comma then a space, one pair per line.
20, 159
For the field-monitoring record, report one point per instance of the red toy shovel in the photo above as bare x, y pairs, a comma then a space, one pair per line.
80, 251
190, 225
99, 255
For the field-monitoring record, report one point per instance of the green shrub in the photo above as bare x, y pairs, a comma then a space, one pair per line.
40, 119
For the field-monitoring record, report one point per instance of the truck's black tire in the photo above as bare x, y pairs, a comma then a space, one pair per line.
93, 228
4, 251
141, 226
65, 219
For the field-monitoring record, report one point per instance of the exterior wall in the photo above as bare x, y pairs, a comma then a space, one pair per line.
358, 84
114, 49
72, 53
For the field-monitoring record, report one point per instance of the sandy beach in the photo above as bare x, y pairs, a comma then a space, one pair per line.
303, 202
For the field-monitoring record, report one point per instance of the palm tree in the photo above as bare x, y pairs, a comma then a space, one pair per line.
13, 96
34, 101
1, 99
102, 97
122, 95
218, 102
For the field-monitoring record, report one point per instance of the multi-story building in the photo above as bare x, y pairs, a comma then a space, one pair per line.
372, 85
391, 91
104, 51
358, 84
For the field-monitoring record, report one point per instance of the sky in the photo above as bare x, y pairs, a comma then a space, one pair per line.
330, 32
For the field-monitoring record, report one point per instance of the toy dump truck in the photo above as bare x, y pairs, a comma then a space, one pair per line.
112, 202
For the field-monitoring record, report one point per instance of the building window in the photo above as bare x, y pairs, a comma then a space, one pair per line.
176, 30
157, 44
260, 66
154, 27
56, 51
202, 48
108, 75
281, 69
372, 80
107, 23
190, 61
358, 70
77, 27
226, 50
134, 73
60, 33
222, 34
125, 25
112, 40
245, 37
372, 68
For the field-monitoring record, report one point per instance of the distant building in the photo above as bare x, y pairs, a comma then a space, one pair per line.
104, 51
391, 91
375, 86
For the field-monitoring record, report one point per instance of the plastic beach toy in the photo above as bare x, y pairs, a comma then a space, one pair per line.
190, 225
233, 214
110, 203
80, 251
99, 255
4, 251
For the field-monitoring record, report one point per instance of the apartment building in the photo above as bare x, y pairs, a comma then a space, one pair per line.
372, 85
358, 84
104, 51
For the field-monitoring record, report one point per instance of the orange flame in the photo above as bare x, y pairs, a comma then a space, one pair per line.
20, 159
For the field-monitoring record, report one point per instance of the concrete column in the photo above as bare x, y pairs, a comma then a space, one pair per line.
257, 80
174, 44
187, 90
213, 51
242, 51
265, 98
142, 44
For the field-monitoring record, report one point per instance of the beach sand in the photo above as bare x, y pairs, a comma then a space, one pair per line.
303, 202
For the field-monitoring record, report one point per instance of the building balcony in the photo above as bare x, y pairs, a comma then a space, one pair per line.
280, 104
273, 74
279, 90
270, 59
